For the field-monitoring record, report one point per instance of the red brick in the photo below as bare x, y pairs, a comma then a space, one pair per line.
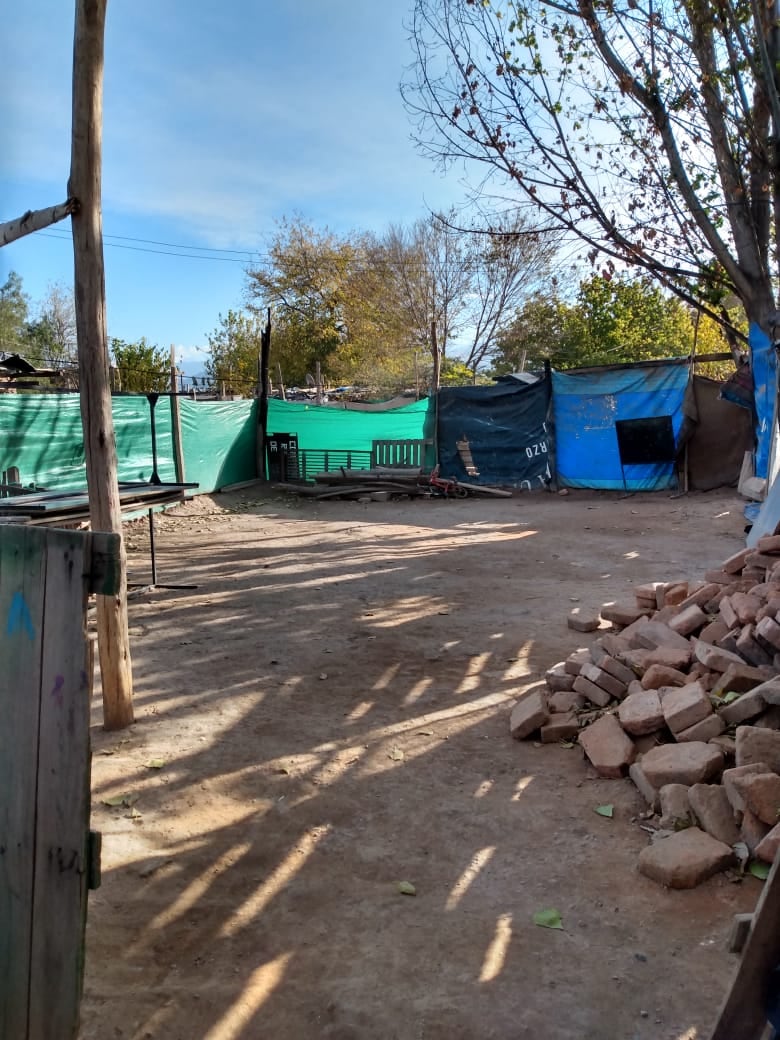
761, 794
700, 595
579, 621
685, 859
731, 778
591, 691
641, 713
670, 657
766, 849
727, 613
758, 561
676, 813
716, 630
560, 727
726, 744
745, 606
612, 644
752, 831
758, 745
713, 658
712, 809
684, 706
754, 574
745, 707
620, 671
528, 714
622, 613
658, 675
735, 563
646, 789
558, 678
718, 577
655, 634
769, 719
740, 679
674, 594
649, 590
705, 730
636, 660
750, 649
602, 678
609, 749
689, 620
565, 701
687, 764
769, 543
576, 660
769, 630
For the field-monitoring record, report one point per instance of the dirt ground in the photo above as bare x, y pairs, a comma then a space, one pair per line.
325, 716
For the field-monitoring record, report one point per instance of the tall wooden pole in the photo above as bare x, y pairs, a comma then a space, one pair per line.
262, 405
178, 449
94, 378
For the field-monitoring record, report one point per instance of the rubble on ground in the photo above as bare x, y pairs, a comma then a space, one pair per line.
680, 693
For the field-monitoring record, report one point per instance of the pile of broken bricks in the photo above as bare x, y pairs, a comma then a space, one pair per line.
682, 694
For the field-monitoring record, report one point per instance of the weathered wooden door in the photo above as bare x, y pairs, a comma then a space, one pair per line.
47, 857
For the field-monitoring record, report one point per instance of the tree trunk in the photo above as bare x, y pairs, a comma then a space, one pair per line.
94, 377
436, 374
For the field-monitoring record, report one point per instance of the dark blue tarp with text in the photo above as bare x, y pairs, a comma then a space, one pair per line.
505, 426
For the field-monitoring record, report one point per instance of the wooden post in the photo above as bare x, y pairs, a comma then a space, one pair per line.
318, 384
94, 383
743, 1015
282, 392
262, 406
178, 451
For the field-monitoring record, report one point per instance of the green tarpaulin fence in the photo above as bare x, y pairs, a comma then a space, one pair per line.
320, 427
41, 435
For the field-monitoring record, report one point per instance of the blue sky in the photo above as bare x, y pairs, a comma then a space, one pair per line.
220, 118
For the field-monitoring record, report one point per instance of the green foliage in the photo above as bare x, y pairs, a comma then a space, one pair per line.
234, 350
141, 367
646, 133
610, 321
13, 315
365, 306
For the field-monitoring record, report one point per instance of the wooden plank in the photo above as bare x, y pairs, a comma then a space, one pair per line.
22, 576
743, 1015
62, 822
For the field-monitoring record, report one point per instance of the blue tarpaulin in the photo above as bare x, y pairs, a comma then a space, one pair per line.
763, 363
587, 404
506, 432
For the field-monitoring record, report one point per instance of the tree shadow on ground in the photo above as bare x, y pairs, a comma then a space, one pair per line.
331, 708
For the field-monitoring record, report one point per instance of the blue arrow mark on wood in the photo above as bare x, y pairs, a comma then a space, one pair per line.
19, 616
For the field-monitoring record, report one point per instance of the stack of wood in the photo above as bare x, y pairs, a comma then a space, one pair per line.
359, 483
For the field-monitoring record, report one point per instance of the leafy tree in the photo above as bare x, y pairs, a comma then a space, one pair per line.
609, 322
141, 366
647, 130
50, 339
364, 306
234, 349
306, 286
13, 315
